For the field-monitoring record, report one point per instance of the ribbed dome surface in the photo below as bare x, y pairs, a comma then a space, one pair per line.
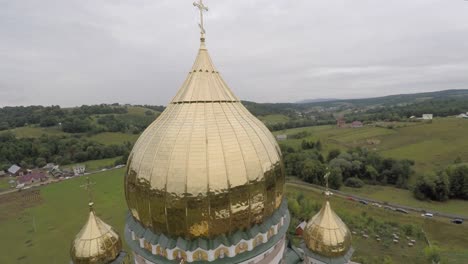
326, 234
96, 243
206, 166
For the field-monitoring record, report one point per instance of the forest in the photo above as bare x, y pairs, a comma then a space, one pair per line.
353, 168
63, 150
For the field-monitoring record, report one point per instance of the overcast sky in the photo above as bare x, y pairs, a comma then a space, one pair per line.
78, 52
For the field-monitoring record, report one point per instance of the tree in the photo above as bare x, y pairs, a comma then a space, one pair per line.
335, 179
313, 171
432, 186
432, 254
458, 176
40, 162
318, 145
354, 182
294, 207
333, 154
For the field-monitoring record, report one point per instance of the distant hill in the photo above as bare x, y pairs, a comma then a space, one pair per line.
393, 100
317, 100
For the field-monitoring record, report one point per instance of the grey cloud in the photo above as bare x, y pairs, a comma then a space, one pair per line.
85, 52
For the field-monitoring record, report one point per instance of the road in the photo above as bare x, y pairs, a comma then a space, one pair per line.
419, 211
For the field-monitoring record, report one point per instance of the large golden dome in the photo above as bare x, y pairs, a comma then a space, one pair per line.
326, 234
206, 166
96, 243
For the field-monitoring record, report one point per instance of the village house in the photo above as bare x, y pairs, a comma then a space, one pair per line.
16, 170
31, 178
427, 116
79, 169
2, 173
300, 228
281, 137
356, 124
341, 123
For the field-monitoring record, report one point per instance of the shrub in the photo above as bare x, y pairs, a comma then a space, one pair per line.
354, 182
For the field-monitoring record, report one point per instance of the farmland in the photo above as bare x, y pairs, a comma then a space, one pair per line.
40, 231
432, 145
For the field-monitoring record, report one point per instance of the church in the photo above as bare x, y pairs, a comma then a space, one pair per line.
205, 184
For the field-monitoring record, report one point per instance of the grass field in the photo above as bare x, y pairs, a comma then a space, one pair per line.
93, 165
34, 132
42, 232
431, 145
404, 197
450, 237
274, 119
4, 185
117, 138
58, 216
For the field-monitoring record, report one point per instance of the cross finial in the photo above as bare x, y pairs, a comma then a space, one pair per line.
327, 191
87, 187
202, 9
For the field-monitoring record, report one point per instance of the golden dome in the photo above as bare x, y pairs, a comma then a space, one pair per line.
206, 166
326, 235
96, 243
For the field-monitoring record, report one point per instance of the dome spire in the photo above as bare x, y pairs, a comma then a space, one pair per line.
326, 234
202, 8
97, 242
327, 190
87, 187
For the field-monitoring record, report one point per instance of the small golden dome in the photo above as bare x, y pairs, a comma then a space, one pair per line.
326, 234
206, 166
96, 243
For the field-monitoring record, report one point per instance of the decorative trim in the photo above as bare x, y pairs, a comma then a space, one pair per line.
161, 249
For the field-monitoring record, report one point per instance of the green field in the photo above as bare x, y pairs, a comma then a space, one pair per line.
4, 185
431, 145
34, 132
93, 165
451, 238
117, 138
58, 217
274, 119
400, 196
41, 231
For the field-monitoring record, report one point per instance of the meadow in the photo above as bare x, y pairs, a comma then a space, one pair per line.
432, 145
449, 237
94, 165
40, 230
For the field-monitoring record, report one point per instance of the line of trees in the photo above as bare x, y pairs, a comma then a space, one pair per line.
36, 152
84, 119
353, 167
443, 185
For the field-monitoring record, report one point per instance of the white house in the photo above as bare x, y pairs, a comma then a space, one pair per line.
281, 137
79, 169
427, 116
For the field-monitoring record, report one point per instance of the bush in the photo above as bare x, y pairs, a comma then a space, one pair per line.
354, 182
432, 187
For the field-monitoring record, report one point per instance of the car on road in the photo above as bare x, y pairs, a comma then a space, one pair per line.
428, 215
364, 202
401, 210
377, 205
350, 198
457, 221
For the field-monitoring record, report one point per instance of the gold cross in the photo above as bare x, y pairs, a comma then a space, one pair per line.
327, 192
87, 187
202, 8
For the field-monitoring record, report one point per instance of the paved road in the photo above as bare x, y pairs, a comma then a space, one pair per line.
419, 211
